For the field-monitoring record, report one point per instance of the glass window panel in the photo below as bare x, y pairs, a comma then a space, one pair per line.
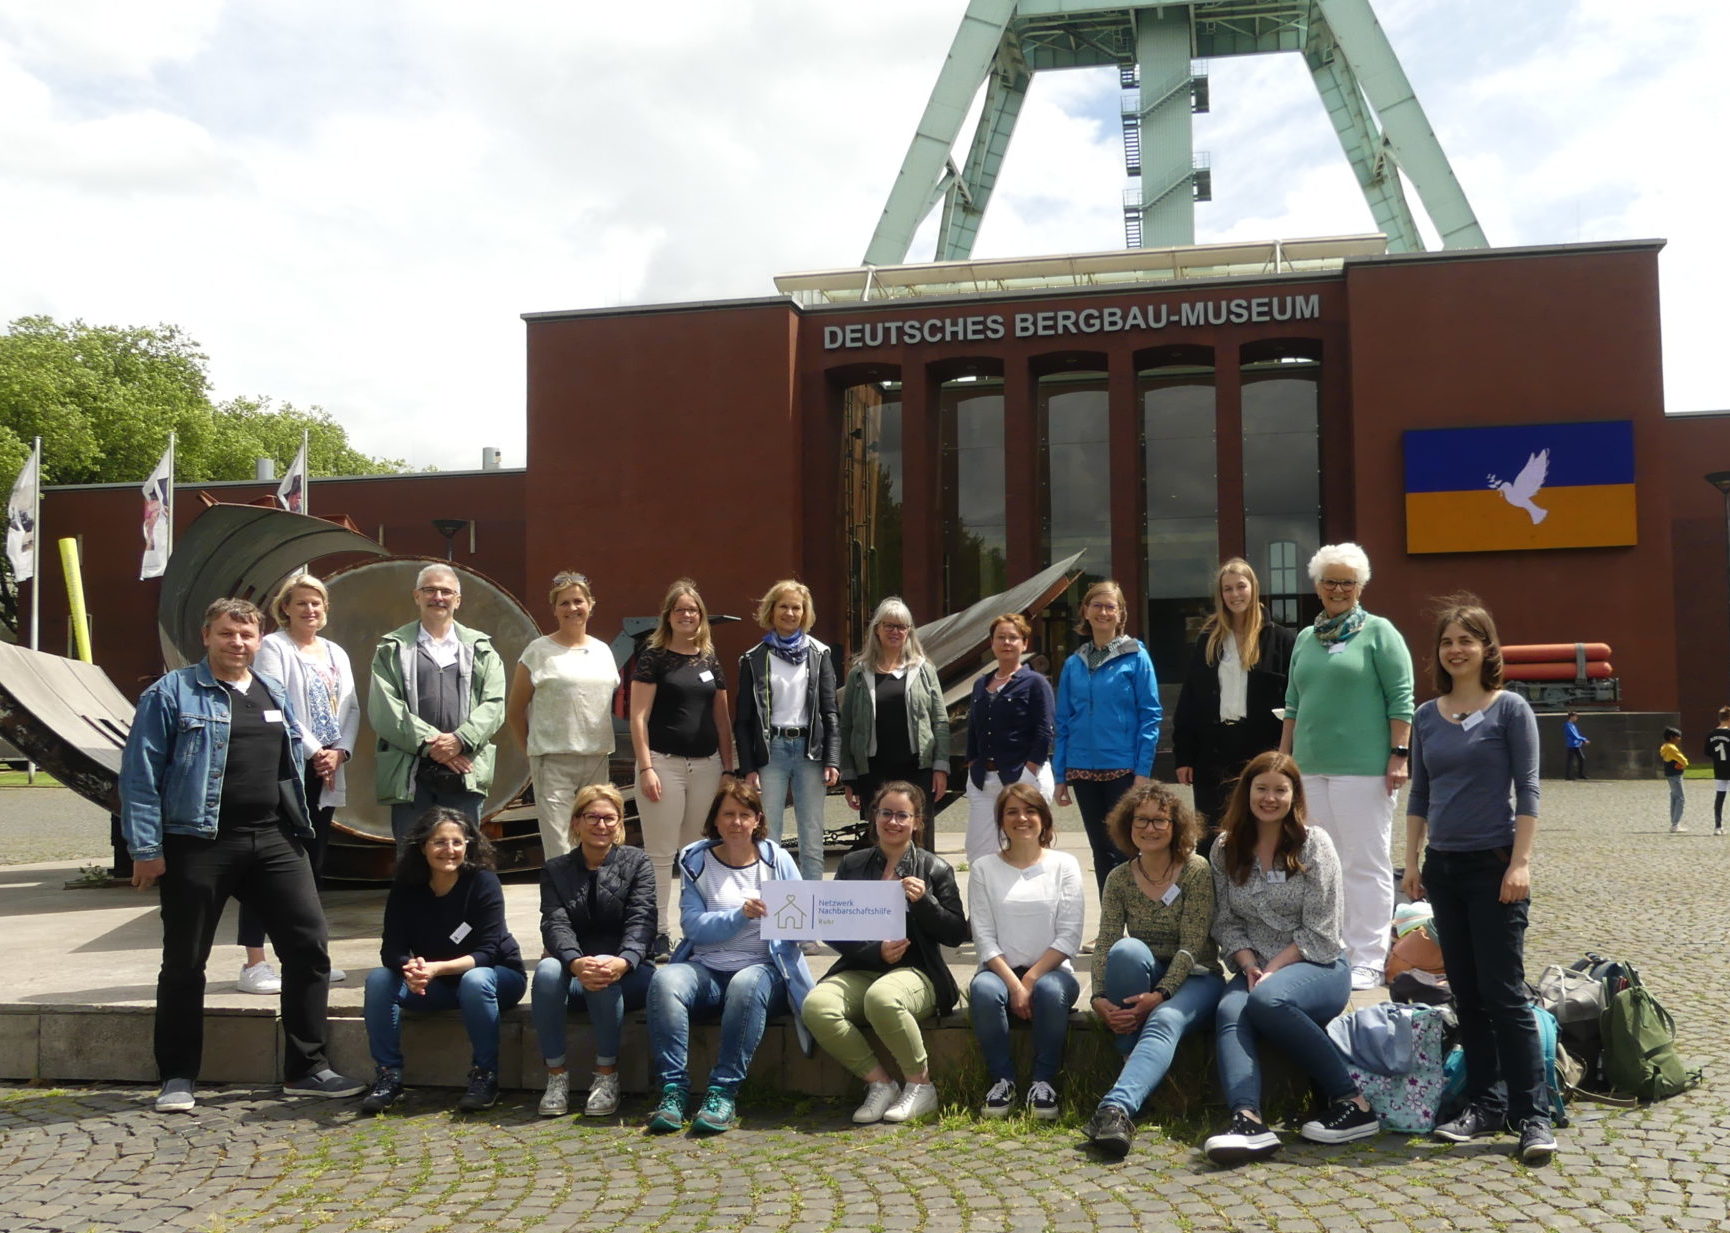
870, 497
975, 539
1074, 415
1180, 485
1282, 481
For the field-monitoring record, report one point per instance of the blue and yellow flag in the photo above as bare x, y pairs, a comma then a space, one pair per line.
1520, 486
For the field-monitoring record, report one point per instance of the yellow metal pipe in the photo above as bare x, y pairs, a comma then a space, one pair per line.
75, 596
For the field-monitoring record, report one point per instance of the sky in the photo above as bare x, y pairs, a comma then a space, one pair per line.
351, 205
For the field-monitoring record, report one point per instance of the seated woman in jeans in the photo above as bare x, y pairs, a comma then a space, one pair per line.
446, 946
1276, 883
597, 923
723, 963
1155, 967
1027, 905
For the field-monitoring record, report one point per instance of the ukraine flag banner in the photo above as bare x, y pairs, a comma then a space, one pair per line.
1520, 486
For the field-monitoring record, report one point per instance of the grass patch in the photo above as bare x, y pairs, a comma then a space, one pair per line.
21, 779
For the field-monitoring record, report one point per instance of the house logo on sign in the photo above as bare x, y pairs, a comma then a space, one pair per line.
790, 917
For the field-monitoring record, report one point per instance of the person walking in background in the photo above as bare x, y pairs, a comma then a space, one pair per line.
1108, 715
1348, 722
1229, 708
1675, 762
1009, 733
1718, 749
561, 710
787, 731
1576, 768
437, 699
682, 738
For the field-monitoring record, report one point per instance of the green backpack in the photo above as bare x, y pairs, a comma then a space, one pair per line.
1639, 1042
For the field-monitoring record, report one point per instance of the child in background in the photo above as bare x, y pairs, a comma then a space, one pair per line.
1576, 747
1718, 749
1675, 762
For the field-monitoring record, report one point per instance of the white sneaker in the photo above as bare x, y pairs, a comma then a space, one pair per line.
259, 978
603, 1096
337, 976
878, 1098
1366, 978
1677, 829
176, 1097
556, 1100
917, 1100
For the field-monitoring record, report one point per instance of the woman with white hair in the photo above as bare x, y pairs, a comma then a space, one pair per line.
1348, 722
894, 725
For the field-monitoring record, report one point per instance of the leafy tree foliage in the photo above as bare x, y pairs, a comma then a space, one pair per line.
104, 399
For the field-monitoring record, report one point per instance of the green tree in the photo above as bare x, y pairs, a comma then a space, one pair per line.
105, 398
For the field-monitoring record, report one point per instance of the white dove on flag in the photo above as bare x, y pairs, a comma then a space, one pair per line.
1526, 485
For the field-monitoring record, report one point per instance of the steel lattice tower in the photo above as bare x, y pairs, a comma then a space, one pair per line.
1002, 43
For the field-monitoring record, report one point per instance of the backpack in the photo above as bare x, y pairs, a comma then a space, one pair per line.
1639, 1047
1557, 1066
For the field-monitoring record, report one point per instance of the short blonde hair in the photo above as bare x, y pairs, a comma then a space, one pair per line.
599, 792
279, 605
771, 597
564, 580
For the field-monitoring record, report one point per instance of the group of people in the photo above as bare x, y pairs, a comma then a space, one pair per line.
1284, 875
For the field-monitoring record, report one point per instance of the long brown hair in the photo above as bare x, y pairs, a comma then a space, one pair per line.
1237, 830
1220, 625
664, 631
1468, 612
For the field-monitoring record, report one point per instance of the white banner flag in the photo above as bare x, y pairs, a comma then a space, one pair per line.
21, 520
291, 493
158, 534
874, 911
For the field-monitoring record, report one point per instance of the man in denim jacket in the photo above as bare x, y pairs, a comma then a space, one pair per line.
213, 804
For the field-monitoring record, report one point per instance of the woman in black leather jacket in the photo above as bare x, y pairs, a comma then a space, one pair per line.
893, 984
597, 922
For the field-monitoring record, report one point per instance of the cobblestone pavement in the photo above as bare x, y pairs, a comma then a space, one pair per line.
1611, 879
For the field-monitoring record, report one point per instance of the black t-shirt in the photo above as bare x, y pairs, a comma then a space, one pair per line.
894, 747
257, 753
682, 719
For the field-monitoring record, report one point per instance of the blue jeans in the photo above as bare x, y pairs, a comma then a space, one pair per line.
556, 991
1094, 798
1483, 946
404, 814
1131, 968
482, 994
988, 1005
788, 765
1292, 1008
1677, 800
746, 999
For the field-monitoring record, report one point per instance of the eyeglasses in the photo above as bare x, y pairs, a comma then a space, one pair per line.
608, 819
696, 612
887, 627
439, 592
1340, 584
1102, 605
455, 844
894, 815
1150, 824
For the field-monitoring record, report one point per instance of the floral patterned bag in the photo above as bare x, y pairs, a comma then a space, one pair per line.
1410, 1103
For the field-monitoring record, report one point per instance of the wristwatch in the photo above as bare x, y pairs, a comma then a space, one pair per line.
1401, 751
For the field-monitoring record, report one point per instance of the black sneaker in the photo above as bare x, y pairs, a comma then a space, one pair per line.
326, 1083
386, 1087
1110, 1130
1537, 1141
1473, 1123
662, 950
483, 1091
1244, 1139
999, 1100
1342, 1123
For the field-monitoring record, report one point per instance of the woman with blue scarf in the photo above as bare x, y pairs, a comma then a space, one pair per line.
788, 729
1348, 722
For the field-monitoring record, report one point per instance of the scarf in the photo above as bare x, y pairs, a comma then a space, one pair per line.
1339, 629
790, 649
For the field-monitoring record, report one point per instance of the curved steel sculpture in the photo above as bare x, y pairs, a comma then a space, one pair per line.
68, 718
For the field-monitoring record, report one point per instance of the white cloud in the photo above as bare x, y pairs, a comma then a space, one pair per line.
351, 205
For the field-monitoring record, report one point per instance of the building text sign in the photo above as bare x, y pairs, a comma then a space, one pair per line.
1067, 322
873, 911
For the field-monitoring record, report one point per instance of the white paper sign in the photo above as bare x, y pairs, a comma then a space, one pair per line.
874, 911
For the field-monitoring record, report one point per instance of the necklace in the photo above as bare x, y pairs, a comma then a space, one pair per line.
1001, 677
1141, 867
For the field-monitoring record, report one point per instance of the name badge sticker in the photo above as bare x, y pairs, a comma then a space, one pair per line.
1334, 648
1473, 720
460, 932
1171, 894
1275, 876
273, 717
705, 676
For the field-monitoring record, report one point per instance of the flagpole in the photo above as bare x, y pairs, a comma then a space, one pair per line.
170, 551
305, 474
36, 562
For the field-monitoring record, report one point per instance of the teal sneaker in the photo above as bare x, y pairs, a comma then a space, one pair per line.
669, 1115
717, 1116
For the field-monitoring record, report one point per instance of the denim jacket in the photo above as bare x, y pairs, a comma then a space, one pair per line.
171, 771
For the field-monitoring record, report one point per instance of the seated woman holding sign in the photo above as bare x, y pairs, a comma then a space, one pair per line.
892, 984
723, 963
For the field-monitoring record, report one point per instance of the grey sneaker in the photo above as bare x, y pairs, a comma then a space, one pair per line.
556, 1100
326, 1083
176, 1096
1474, 1123
1537, 1141
1110, 1130
603, 1096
